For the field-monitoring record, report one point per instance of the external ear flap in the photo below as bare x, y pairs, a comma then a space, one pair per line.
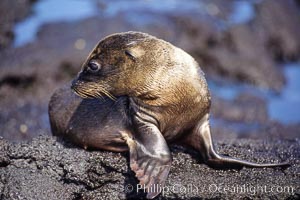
134, 52
130, 54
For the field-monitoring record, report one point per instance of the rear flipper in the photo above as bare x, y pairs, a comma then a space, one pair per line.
200, 139
150, 158
224, 162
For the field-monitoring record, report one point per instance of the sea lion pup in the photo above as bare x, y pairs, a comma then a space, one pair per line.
144, 93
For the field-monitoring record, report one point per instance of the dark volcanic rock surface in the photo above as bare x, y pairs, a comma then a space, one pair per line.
47, 169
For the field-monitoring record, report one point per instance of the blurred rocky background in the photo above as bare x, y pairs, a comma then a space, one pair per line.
249, 51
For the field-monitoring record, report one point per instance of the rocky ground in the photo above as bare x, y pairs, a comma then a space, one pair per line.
247, 53
48, 169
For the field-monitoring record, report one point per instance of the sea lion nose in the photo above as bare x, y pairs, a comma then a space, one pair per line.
74, 83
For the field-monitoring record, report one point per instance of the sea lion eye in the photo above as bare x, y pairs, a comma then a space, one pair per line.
94, 66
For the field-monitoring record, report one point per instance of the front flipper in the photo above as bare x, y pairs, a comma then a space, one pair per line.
150, 157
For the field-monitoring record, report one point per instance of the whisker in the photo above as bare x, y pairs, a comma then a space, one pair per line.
93, 90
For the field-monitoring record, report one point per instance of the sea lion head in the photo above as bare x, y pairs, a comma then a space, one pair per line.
118, 65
